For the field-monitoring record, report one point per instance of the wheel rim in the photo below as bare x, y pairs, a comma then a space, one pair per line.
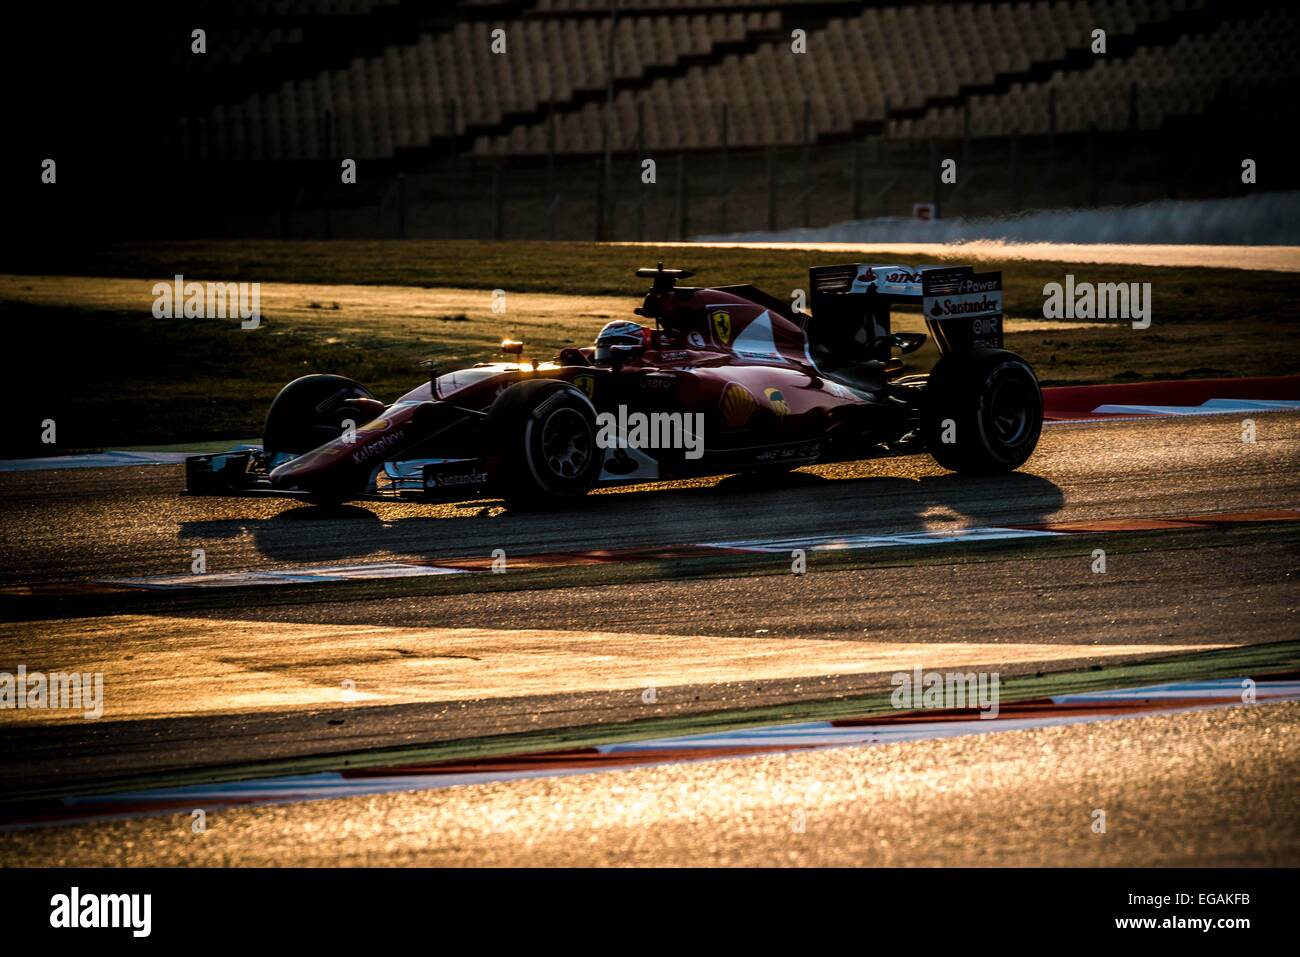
1009, 412
566, 443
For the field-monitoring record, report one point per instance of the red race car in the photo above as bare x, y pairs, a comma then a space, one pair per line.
710, 381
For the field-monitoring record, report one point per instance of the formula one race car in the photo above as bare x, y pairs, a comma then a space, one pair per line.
728, 380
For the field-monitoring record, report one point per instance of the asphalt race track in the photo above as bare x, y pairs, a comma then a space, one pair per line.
275, 679
104, 523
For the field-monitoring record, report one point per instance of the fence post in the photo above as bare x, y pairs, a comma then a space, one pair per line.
1014, 164
283, 202
965, 136
604, 209
726, 174
600, 198
855, 181
681, 196
602, 168
771, 187
1092, 164
328, 153
1051, 120
453, 124
401, 205
641, 158
498, 202
806, 197
934, 171
550, 171
882, 152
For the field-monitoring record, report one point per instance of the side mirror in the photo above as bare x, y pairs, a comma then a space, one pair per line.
512, 347
619, 354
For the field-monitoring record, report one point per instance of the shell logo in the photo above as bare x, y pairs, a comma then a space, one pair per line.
738, 405
587, 384
777, 401
722, 326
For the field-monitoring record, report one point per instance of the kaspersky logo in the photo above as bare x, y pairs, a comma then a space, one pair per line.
368, 452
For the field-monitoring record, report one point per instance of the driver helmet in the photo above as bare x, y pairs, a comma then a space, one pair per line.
621, 332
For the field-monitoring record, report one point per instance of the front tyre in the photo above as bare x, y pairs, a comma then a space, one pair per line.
309, 412
543, 433
983, 412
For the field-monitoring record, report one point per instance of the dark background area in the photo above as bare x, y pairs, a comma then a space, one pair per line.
153, 141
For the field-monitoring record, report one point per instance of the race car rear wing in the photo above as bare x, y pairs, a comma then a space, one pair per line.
962, 308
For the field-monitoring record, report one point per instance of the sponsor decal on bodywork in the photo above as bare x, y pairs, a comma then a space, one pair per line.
738, 405
378, 447
963, 310
776, 399
758, 341
453, 479
657, 380
892, 280
721, 320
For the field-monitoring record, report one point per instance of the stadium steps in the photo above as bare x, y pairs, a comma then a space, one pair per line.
286, 60
815, 19
1155, 34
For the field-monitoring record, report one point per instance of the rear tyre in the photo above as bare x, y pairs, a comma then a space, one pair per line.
543, 433
983, 412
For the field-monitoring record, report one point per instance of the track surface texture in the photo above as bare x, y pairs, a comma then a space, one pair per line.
1200, 788
255, 680
103, 523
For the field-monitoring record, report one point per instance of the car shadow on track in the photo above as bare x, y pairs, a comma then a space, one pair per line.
793, 505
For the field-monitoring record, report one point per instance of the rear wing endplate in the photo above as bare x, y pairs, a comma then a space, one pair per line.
962, 308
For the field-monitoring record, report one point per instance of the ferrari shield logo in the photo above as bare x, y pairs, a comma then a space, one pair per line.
587, 384
722, 326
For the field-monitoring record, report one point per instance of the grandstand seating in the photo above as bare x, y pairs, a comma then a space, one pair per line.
913, 70
857, 69
1182, 79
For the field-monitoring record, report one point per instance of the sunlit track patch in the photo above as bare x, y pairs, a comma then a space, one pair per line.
836, 542
93, 460
1144, 400
1214, 520
1208, 407
1042, 530
332, 573
896, 728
